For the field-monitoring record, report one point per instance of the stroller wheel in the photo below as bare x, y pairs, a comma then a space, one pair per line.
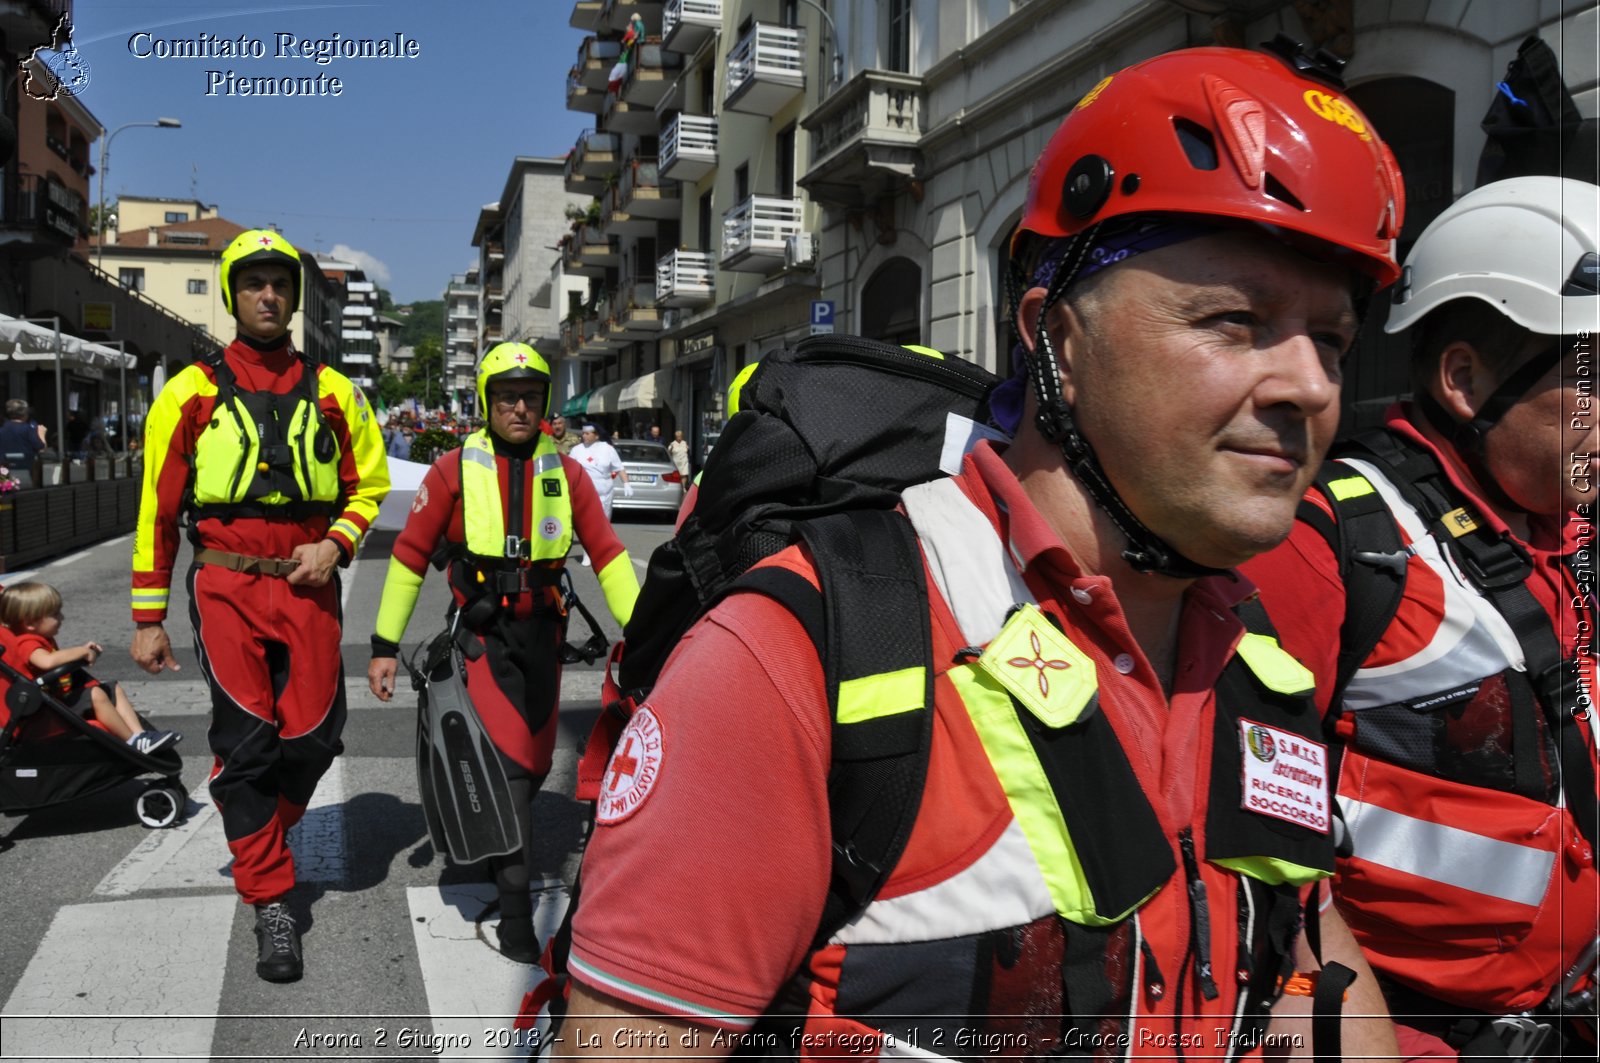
161, 805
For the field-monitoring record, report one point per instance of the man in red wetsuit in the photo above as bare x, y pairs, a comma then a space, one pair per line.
279, 463
505, 506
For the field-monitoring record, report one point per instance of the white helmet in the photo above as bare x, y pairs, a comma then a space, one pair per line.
1526, 246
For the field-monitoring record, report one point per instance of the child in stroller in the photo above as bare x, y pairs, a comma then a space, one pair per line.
32, 613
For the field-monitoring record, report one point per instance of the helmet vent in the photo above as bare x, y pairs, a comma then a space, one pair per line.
1275, 188
1197, 143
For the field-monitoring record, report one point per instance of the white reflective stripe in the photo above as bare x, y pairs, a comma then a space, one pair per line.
966, 557
478, 456
545, 463
1003, 888
1455, 857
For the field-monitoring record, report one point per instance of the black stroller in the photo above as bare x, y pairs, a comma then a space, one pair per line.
49, 754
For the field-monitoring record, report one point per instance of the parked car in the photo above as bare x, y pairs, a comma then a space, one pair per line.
657, 486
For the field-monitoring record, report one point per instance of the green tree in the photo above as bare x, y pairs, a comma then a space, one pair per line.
425, 321
391, 390
423, 380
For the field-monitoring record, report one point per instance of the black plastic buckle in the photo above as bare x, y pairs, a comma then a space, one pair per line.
277, 455
511, 581
1499, 565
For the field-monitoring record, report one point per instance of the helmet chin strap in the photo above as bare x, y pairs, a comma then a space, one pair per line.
1146, 551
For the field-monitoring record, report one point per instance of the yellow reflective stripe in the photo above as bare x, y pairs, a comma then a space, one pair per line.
885, 694
1032, 800
1350, 487
1272, 871
1273, 665
347, 529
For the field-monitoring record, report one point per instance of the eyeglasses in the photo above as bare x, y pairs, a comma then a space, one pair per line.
507, 403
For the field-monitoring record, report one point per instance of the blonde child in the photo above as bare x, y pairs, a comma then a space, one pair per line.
32, 612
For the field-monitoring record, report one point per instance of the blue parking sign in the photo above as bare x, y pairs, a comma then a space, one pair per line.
821, 317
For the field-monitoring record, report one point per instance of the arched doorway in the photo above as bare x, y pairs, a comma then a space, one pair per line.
891, 303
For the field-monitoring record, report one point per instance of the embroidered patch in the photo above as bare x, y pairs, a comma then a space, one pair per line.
550, 529
420, 503
1041, 668
552, 488
1285, 775
634, 768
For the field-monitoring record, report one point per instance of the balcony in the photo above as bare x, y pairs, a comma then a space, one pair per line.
595, 60
593, 157
360, 310
29, 24
351, 335
585, 15
589, 252
616, 13
685, 278
494, 296
689, 147
754, 233
356, 357
687, 24
635, 316
864, 139
766, 69
649, 77
617, 113
40, 212
582, 98
360, 286
640, 200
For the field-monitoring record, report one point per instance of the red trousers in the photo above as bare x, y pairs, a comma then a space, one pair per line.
269, 651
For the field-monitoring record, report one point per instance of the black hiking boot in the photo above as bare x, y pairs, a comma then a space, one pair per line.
278, 957
517, 942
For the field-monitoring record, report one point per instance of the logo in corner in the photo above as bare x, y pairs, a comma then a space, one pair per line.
57, 69
634, 768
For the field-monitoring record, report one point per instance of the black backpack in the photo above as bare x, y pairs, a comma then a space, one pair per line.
828, 434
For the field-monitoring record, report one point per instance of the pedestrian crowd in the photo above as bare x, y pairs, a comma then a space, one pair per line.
1220, 733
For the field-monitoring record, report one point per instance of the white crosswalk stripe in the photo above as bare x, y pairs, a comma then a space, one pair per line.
129, 978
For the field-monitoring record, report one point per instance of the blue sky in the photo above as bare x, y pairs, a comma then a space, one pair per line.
391, 172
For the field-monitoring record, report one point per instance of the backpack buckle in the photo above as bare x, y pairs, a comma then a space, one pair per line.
1499, 564
515, 545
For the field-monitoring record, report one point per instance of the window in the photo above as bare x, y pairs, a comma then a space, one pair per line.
897, 42
741, 183
197, 287
176, 216
789, 13
786, 161
131, 279
705, 223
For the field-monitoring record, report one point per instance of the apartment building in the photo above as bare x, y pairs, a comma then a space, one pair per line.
700, 244
176, 264
920, 157
462, 299
357, 352
525, 291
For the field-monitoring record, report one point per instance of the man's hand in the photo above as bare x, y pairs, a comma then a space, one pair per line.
380, 677
152, 650
317, 562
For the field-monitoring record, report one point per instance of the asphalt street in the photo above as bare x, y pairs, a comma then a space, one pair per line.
126, 943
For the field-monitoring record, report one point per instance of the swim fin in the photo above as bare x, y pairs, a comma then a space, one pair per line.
466, 796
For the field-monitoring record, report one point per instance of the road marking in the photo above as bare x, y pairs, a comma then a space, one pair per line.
18, 577
194, 855
131, 978
348, 580
471, 987
70, 558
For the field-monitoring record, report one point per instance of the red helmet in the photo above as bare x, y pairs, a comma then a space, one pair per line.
1227, 133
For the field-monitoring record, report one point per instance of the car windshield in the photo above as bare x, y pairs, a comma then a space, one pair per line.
641, 452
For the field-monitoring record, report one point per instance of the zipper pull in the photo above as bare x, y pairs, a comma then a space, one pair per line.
1154, 984
1199, 916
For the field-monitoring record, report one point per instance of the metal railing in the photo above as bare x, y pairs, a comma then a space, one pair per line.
760, 223
688, 133
685, 274
766, 50
700, 12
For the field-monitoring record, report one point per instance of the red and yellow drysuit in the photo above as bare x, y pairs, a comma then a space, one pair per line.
475, 501
1042, 905
268, 649
1462, 887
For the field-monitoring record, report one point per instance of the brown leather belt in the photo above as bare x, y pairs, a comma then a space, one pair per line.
254, 566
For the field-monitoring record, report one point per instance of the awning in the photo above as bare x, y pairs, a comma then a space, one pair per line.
28, 342
573, 407
604, 398
645, 392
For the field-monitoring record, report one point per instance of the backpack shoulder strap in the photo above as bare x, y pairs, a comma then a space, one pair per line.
874, 637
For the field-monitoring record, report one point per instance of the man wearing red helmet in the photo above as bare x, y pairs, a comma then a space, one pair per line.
1126, 811
279, 465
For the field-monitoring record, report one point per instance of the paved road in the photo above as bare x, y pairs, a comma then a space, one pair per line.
122, 943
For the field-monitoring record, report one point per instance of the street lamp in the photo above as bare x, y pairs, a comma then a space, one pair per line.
105, 153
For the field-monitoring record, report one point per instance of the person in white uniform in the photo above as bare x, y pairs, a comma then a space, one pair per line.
601, 461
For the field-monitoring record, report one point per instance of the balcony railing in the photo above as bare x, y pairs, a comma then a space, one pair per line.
864, 138
687, 24
580, 97
650, 74
689, 147
642, 193
685, 278
755, 232
636, 316
588, 252
585, 15
39, 206
591, 158
618, 12
766, 69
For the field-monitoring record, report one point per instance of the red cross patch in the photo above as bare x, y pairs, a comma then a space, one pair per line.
634, 768
521, 358
265, 241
